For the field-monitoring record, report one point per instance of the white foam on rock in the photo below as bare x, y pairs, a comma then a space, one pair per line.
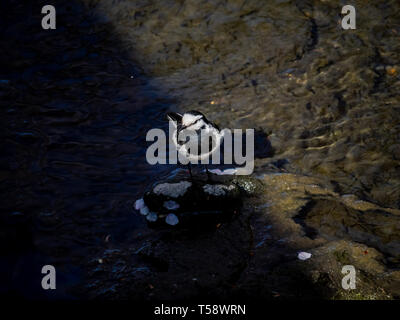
171, 205
172, 219
173, 190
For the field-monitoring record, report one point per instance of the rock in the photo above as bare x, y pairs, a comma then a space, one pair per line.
395, 151
306, 214
173, 190
373, 227
293, 231
152, 217
144, 210
171, 219
304, 255
248, 185
217, 190
171, 205
196, 201
139, 204
355, 153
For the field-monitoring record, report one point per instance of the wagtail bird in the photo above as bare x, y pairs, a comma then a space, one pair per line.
196, 138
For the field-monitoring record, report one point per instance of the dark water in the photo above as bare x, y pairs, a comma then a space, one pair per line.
77, 101
75, 110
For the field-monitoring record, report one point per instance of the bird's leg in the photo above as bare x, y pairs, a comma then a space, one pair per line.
190, 171
208, 174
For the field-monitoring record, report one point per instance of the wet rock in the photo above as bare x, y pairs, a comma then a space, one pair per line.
152, 217
290, 240
304, 255
374, 280
304, 214
177, 200
395, 151
376, 228
171, 205
171, 219
139, 204
144, 211
355, 153
172, 189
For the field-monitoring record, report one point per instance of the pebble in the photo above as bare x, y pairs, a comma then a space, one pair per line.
152, 216
139, 204
172, 219
304, 255
144, 211
171, 205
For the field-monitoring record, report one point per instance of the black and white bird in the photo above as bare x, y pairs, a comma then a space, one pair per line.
195, 137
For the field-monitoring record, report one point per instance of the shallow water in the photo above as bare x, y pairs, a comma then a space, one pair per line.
77, 102
330, 97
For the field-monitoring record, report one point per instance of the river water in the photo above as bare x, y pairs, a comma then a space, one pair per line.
77, 102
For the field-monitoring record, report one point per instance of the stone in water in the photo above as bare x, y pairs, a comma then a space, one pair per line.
152, 217
144, 211
171, 205
139, 204
172, 219
304, 255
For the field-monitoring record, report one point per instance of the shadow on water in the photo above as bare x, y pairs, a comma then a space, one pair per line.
75, 110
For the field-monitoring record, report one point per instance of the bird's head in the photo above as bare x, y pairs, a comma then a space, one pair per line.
187, 119
192, 120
